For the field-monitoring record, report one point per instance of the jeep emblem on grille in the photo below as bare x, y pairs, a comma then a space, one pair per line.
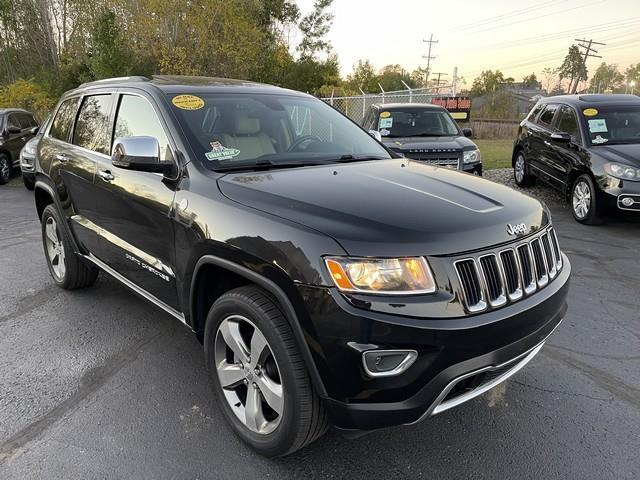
517, 229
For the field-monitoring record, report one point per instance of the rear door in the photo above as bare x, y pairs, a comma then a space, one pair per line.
133, 207
540, 141
71, 169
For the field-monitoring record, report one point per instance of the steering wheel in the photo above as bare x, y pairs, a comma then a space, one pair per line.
301, 140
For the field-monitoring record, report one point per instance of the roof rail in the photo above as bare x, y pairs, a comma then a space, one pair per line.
105, 81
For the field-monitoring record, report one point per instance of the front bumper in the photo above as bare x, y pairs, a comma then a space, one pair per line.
613, 193
455, 356
473, 168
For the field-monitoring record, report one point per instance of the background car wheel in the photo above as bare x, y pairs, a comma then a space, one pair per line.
5, 169
521, 171
584, 201
258, 374
29, 182
65, 266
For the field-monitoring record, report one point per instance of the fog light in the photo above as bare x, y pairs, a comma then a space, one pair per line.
387, 363
627, 201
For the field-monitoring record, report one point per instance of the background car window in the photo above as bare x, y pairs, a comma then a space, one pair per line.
568, 123
92, 127
12, 120
27, 120
547, 116
63, 120
136, 117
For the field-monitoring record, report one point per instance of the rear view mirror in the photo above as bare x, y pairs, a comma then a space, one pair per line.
34, 130
561, 137
138, 153
467, 132
376, 134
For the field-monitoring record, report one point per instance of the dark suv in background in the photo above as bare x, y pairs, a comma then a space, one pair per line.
426, 133
329, 282
586, 146
16, 128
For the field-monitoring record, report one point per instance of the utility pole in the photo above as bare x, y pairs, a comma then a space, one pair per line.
440, 74
587, 53
428, 56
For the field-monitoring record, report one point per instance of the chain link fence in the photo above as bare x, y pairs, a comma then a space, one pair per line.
356, 107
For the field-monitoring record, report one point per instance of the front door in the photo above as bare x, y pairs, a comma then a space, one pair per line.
15, 141
136, 232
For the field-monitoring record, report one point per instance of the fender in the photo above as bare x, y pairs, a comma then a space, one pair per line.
271, 287
41, 184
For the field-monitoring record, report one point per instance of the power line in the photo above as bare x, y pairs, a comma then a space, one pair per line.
504, 16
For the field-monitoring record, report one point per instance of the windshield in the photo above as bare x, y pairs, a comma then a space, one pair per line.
613, 125
234, 131
417, 123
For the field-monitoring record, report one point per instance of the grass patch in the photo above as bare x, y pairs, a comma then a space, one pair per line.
495, 153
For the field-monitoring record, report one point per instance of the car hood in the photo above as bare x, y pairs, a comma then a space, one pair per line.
628, 154
428, 144
390, 207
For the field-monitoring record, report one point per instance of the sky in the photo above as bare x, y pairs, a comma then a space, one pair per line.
516, 36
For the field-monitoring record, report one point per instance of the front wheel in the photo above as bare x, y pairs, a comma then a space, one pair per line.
258, 374
584, 202
5, 169
521, 171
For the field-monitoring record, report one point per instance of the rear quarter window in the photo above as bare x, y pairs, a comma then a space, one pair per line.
62, 122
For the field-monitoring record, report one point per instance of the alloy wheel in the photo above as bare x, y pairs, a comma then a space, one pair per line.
519, 168
249, 374
55, 248
5, 170
581, 199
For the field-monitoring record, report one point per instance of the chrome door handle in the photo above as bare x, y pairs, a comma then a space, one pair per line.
61, 157
105, 175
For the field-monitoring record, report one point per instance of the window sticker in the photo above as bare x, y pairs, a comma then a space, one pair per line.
599, 139
598, 125
385, 114
220, 152
187, 102
385, 122
384, 132
590, 112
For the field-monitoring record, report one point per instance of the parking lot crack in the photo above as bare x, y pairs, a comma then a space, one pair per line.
92, 380
562, 392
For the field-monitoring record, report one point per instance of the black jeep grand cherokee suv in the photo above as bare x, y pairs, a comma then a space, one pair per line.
328, 281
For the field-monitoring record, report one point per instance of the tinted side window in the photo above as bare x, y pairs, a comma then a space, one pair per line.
568, 123
547, 116
63, 120
92, 127
136, 117
534, 112
27, 120
12, 120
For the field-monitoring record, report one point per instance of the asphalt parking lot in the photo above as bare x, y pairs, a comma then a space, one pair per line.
99, 384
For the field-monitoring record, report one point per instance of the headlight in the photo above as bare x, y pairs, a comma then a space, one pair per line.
624, 172
29, 149
471, 156
391, 276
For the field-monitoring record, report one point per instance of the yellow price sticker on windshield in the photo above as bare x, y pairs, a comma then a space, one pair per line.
385, 114
188, 102
590, 112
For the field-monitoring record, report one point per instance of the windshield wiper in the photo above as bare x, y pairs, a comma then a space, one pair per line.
353, 158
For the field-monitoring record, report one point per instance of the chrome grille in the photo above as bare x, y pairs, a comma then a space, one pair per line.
493, 279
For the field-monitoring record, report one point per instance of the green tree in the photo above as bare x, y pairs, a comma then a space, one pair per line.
363, 77
26, 94
314, 27
606, 77
530, 81
109, 56
573, 68
392, 76
632, 74
488, 82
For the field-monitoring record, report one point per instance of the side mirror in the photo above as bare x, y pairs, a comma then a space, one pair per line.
376, 134
13, 129
561, 137
138, 153
467, 132
34, 130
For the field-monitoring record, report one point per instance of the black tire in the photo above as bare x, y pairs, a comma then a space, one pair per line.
5, 169
29, 182
75, 273
523, 178
303, 418
593, 215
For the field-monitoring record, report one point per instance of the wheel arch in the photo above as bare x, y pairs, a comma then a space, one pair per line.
229, 275
571, 178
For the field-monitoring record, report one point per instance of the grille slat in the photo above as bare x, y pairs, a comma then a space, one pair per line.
495, 278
